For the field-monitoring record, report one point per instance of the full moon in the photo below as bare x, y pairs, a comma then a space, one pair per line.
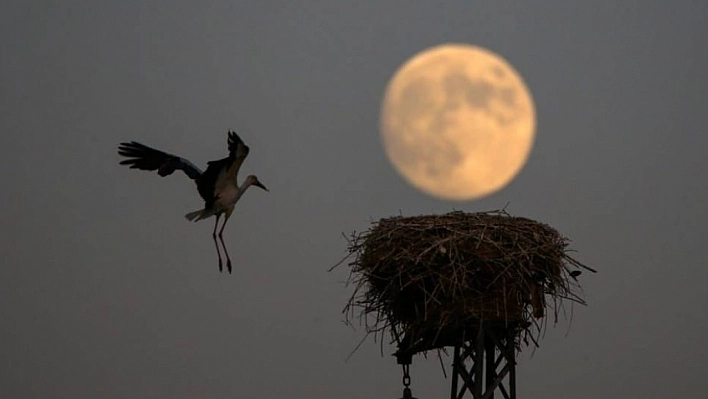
457, 121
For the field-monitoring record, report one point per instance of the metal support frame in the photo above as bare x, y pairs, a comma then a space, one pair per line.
491, 356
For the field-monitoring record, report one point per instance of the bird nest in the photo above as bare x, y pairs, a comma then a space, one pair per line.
429, 280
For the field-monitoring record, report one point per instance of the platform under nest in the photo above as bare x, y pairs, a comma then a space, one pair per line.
430, 279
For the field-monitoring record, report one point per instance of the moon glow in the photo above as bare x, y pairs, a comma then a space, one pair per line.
457, 121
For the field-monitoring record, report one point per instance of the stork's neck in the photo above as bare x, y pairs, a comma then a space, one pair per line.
243, 187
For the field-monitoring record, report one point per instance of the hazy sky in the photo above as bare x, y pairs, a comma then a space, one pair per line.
106, 291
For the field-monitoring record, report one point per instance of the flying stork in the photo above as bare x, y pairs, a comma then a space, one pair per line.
217, 185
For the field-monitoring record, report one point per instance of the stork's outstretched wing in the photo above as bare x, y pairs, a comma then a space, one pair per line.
238, 151
143, 157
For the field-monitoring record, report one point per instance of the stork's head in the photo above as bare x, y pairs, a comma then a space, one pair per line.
253, 181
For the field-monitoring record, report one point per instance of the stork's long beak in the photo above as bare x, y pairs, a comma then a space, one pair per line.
259, 184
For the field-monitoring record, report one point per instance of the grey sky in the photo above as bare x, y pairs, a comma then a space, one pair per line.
107, 291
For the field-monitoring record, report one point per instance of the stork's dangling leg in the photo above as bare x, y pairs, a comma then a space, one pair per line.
213, 234
221, 237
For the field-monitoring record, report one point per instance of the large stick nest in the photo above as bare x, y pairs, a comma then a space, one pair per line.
429, 280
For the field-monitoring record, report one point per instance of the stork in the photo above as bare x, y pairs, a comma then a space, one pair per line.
217, 185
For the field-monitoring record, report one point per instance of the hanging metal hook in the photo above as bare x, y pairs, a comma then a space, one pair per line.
407, 394
406, 375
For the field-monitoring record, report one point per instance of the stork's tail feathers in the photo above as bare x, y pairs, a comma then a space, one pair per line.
199, 215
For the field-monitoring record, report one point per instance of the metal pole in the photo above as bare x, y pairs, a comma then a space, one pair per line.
478, 364
491, 369
490, 373
511, 360
455, 365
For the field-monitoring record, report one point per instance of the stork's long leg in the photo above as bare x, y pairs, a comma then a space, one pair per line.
221, 237
216, 243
